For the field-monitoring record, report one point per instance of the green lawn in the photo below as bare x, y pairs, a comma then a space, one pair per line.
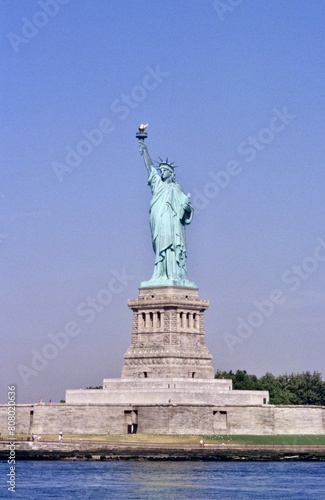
189, 439
286, 439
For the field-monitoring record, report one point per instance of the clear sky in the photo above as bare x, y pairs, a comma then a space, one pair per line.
233, 92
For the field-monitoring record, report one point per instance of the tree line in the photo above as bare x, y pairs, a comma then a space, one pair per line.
289, 389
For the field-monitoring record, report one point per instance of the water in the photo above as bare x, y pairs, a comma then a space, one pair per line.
142, 480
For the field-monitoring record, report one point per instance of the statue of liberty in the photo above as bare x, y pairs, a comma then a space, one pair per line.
170, 211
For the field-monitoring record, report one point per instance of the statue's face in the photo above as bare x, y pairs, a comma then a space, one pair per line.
165, 173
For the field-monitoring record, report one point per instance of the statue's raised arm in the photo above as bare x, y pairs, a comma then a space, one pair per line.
146, 157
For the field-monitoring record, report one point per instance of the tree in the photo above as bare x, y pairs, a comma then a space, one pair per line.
293, 389
278, 395
241, 380
306, 388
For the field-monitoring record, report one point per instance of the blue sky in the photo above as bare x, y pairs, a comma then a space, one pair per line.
233, 93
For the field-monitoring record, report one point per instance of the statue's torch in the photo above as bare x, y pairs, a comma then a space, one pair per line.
142, 135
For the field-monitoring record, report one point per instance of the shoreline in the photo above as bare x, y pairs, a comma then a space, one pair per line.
101, 451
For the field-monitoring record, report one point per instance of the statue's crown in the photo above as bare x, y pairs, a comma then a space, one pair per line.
166, 164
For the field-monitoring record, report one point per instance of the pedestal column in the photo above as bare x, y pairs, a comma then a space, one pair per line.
168, 338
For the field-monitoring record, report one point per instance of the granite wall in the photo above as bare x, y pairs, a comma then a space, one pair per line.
165, 419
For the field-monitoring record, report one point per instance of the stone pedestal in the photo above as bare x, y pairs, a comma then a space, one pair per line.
167, 384
168, 337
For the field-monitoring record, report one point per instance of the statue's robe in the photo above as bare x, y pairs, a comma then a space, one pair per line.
170, 211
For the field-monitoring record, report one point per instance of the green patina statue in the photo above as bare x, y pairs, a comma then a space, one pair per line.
170, 211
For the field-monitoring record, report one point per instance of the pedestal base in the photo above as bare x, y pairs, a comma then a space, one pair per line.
168, 337
167, 282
